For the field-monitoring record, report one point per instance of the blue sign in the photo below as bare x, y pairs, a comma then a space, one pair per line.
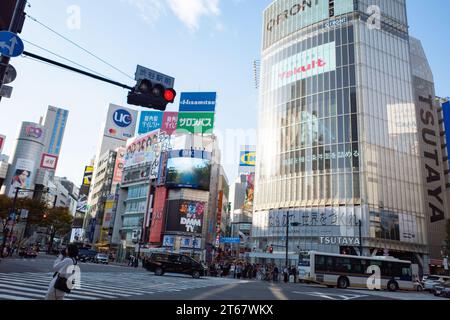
122, 118
198, 102
230, 240
150, 121
10, 44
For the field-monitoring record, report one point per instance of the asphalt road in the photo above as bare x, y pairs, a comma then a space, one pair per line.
28, 279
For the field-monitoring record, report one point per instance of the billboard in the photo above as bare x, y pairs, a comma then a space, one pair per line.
198, 101
32, 131
282, 18
144, 150
119, 165
22, 177
157, 225
249, 191
169, 123
247, 159
446, 111
49, 161
120, 122
108, 216
87, 177
189, 172
303, 65
2, 142
185, 216
195, 122
150, 121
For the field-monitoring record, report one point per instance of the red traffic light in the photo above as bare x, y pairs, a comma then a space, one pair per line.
169, 95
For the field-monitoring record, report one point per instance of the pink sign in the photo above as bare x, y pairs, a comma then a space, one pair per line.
2, 142
169, 124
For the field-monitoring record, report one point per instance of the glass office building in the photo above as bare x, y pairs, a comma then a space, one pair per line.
338, 139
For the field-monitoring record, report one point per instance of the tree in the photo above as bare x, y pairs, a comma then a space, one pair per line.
59, 220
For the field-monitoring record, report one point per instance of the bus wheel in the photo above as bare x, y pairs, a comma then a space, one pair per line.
343, 283
392, 286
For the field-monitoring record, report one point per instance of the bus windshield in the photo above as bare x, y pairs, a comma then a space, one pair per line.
304, 259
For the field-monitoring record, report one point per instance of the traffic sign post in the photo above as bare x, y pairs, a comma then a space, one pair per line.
11, 45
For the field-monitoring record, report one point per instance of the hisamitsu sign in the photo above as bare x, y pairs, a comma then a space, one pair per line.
198, 102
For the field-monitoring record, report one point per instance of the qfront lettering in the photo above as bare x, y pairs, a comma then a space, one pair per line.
292, 12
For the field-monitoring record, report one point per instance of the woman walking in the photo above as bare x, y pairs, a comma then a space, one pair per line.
63, 267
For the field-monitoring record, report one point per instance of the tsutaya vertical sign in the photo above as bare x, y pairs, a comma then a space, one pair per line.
305, 64
433, 160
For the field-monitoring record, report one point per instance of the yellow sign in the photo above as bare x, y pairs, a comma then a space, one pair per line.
248, 159
88, 171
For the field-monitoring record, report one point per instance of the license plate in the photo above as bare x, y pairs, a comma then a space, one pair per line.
438, 292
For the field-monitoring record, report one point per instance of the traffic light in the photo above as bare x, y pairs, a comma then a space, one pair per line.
149, 95
7, 8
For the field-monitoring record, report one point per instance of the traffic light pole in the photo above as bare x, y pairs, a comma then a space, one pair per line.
13, 27
64, 66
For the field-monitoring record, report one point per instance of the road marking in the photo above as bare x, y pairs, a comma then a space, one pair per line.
277, 292
332, 296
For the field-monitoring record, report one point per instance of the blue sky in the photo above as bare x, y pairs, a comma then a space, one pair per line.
207, 45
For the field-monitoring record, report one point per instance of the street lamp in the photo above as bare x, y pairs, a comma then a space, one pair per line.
293, 224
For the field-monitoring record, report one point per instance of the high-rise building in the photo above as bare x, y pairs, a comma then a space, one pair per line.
26, 159
338, 137
55, 122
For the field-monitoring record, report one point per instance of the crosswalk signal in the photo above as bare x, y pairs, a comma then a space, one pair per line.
148, 95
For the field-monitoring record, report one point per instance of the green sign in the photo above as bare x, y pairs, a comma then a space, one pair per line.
195, 122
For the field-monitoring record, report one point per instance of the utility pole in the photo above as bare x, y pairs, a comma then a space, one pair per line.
15, 26
287, 239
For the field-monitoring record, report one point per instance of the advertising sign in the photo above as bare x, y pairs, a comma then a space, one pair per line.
195, 122
109, 211
198, 101
169, 123
189, 172
22, 178
190, 243
305, 64
120, 122
247, 159
168, 241
2, 142
49, 161
136, 175
87, 178
119, 165
284, 18
150, 121
157, 225
144, 150
32, 131
249, 191
230, 240
185, 216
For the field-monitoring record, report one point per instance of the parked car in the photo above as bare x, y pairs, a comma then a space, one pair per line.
86, 255
433, 280
442, 289
101, 258
161, 263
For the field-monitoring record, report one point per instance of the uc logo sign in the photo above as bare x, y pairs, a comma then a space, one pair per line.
122, 118
248, 159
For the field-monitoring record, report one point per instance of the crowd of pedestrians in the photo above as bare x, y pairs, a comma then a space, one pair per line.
253, 271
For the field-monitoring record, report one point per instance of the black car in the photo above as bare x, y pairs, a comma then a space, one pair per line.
160, 263
86, 255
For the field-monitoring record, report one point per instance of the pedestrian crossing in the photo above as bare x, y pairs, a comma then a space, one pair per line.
102, 285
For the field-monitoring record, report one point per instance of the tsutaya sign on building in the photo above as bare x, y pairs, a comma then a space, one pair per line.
343, 241
305, 64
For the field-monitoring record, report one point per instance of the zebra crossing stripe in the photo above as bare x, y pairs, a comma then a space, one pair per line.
9, 297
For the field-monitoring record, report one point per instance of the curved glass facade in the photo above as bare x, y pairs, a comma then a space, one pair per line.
337, 130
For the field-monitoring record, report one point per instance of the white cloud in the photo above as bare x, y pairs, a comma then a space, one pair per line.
187, 11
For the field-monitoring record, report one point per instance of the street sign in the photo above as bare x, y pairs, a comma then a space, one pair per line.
154, 76
230, 240
10, 44
6, 91
11, 75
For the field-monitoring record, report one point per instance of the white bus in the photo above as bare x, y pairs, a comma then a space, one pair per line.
344, 271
